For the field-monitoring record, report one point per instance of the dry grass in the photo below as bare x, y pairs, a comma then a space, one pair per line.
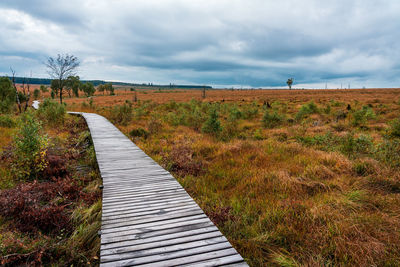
315, 190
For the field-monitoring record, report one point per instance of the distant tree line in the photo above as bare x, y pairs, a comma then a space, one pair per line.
46, 81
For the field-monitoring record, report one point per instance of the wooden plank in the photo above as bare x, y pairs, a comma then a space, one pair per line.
114, 241
204, 239
107, 238
124, 210
154, 201
149, 219
161, 237
130, 226
132, 215
179, 258
165, 250
233, 260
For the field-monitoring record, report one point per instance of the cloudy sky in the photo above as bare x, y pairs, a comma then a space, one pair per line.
257, 43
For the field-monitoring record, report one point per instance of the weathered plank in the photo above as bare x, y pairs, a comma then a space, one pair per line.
148, 219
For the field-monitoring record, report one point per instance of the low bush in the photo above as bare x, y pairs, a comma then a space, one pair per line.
7, 121
327, 109
154, 126
234, 113
348, 145
258, 135
36, 93
389, 152
52, 112
121, 114
340, 115
271, 120
306, 109
196, 119
361, 116
394, 130
363, 168
352, 146
30, 206
30, 148
182, 161
212, 125
250, 112
7, 95
139, 132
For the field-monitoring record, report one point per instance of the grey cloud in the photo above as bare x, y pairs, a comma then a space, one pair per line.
255, 42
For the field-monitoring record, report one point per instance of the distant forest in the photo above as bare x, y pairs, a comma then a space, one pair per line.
45, 81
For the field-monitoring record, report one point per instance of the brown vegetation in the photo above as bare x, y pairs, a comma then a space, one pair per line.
300, 177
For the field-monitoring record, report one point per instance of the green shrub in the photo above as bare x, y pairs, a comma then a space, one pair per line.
348, 145
229, 130
7, 121
362, 168
327, 109
258, 135
250, 112
361, 116
197, 119
139, 132
36, 93
335, 103
176, 118
389, 152
212, 124
351, 145
51, 112
7, 95
271, 120
395, 128
154, 126
88, 89
306, 109
234, 114
140, 112
340, 115
43, 88
122, 114
30, 148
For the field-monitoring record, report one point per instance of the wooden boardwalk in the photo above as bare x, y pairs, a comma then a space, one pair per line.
148, 219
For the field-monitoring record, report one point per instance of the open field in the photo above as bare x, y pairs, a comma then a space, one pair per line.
296, 96
301, 177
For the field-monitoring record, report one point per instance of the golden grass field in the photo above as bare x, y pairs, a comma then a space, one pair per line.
315, 182
290, 177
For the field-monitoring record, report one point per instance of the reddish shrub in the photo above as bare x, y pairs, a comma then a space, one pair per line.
181, 161
221, 215
56, 167
39, 206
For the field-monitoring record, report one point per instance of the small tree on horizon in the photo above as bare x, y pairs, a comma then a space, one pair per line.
290, 82
61, 68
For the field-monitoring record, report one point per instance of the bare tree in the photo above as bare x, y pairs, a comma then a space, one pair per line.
26, 92
61, 68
